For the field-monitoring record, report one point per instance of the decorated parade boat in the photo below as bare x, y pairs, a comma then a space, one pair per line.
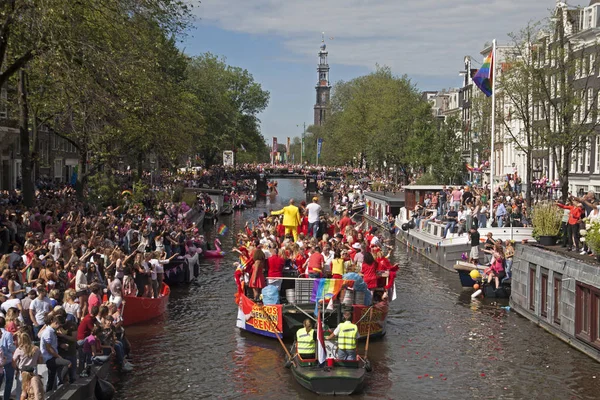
140, 309
298, 303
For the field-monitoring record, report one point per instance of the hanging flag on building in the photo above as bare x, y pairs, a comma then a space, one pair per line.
287, 149
319, 146
484, 78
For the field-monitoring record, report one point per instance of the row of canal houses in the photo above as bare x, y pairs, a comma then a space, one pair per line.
557, 291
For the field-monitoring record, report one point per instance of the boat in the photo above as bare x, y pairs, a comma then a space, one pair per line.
140, 309
427, 236
341, 378
464, 270
297, 302
357, 208
227, 208
182, 269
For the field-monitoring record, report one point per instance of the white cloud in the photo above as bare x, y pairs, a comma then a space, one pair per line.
425, 37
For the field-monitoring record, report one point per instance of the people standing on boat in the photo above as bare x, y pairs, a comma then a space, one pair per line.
291, 218
496, 270
500, 213
313, 210
456, 196
276, 264
369, 271
315, 263
346, 334
257, 279
306, 339
344, 222
442, 200
474, 238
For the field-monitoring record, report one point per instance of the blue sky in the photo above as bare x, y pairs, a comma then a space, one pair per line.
278, 40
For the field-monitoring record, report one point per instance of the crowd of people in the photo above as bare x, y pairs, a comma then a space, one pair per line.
322, 246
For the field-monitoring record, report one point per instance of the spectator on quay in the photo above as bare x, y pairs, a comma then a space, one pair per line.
26, 359
501, 213
39, 309
7, 347
576, 211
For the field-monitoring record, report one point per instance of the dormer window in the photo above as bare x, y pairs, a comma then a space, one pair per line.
591, 17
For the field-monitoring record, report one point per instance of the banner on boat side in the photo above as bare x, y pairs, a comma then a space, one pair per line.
265, 320
377, 322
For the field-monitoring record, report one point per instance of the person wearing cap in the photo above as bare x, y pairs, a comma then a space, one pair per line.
312, 211
358, 256
291, 218
347, 333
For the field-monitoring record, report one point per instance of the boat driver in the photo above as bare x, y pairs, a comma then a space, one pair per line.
305, 341
346, 333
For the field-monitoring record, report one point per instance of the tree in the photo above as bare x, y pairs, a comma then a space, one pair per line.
230, 100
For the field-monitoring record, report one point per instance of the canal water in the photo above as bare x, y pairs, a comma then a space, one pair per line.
439, 344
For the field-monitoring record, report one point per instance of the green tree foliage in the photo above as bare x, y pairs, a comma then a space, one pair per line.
230, 100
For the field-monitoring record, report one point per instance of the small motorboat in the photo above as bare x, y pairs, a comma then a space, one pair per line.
465, 269
140, 309
338, 378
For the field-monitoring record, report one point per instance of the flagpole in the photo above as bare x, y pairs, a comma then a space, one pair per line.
492, 155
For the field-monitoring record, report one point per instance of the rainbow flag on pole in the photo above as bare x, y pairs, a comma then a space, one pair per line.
327, 289
484, 78
222, 230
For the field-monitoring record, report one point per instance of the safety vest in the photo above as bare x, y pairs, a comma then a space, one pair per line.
305, 342
347, 336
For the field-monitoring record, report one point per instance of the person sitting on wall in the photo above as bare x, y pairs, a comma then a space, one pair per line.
452, 219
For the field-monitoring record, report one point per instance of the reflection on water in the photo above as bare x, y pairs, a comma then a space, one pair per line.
439, 345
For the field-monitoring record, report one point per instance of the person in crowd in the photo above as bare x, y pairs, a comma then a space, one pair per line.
474, 239
291, 218
257, 280
369, 271
49, 349
452, 221
39, 309
7, 350
276, 264
315, 263
313, 211
26, 359
497, 270
501, 213
576, 212
346, 333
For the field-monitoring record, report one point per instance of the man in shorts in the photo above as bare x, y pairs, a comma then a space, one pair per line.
474, 238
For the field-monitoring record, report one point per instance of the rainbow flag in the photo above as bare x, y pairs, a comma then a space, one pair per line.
327, 289
484, 78
222, 230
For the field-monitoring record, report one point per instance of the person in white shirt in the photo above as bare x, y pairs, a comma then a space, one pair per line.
313, 210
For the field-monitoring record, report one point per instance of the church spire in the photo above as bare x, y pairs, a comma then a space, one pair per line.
323, 87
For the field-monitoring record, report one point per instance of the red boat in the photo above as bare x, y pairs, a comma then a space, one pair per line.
139, 309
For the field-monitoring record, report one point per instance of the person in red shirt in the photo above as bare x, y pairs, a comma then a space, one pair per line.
576, 212
87, 324
275, 264
344, 222
315, 263
369, 271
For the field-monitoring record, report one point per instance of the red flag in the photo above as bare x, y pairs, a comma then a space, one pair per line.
246, 305
321, 352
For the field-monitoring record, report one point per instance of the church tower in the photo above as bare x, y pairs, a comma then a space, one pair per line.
323, 88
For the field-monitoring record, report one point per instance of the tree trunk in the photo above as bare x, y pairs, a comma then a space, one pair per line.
35, 158
529, 177
26, 181
81, 175
564, 175
140, 166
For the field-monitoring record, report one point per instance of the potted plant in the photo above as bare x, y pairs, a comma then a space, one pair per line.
546, 220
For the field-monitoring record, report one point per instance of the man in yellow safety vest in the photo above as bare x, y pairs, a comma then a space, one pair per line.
305, 340
346, 333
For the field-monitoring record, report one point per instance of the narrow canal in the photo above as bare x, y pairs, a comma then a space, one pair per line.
439, 345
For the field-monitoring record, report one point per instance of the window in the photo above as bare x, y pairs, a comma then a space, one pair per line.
532, 268
589, 105
3, 103
582, 312
592, 64
557, 298
544, 294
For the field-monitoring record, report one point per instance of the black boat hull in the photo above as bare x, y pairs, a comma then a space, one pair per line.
337, 381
